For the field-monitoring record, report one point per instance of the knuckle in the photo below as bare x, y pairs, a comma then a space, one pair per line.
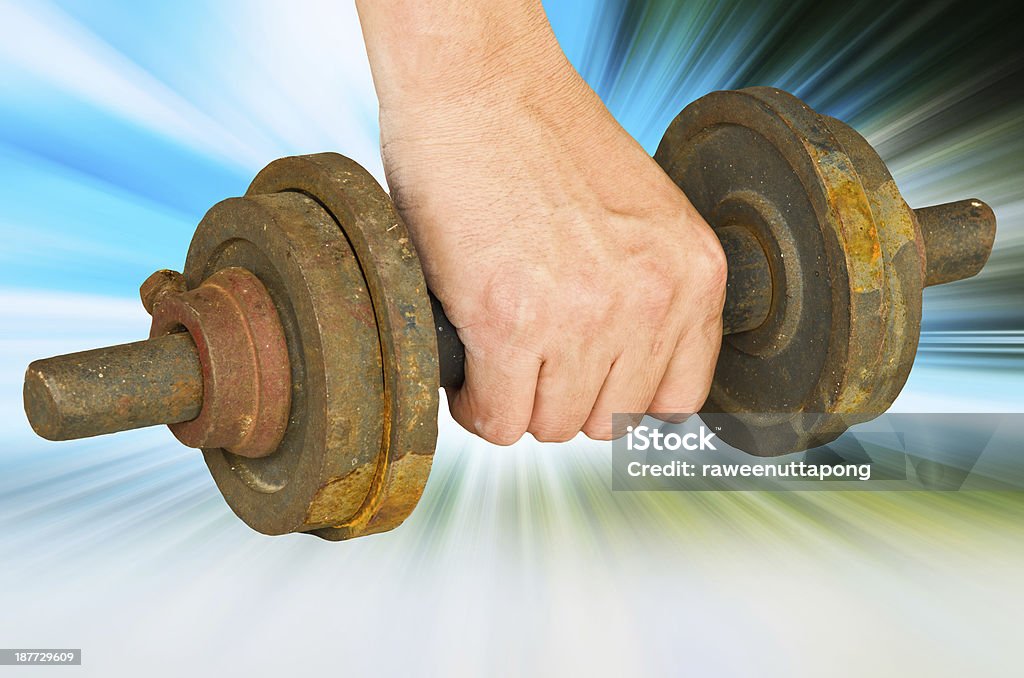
657, 288
499, 432
553, 430
591, 304
713, 265
607, 427
513, 303
610, 424
598, 431
686, 399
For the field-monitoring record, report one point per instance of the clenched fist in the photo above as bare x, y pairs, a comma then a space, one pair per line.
580, 278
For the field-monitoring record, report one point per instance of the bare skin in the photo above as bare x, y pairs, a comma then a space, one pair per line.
580, 278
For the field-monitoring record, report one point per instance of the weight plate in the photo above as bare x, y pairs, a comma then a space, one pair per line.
761, 159
904, 261
325, 465
403, 321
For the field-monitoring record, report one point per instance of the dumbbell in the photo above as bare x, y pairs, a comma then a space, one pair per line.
301, 350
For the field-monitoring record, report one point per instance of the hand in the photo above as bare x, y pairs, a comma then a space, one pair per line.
580, 279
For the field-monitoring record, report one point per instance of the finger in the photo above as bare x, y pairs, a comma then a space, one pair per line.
687, 380
566, 392
628, 389
496, 399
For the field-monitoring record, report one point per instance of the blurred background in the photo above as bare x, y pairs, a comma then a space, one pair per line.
122, 122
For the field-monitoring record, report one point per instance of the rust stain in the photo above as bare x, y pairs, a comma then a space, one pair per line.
339, 493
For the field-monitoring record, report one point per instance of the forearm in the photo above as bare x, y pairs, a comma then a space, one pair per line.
425, 51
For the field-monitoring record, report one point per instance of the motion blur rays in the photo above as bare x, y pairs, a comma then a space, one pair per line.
121, 123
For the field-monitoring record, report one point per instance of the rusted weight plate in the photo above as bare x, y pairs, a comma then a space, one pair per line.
324, 465
383, 402
904, 262
761, 159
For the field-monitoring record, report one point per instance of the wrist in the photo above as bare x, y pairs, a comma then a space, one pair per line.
425, 57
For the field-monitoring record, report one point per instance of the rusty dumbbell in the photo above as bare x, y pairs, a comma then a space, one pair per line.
302, 351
